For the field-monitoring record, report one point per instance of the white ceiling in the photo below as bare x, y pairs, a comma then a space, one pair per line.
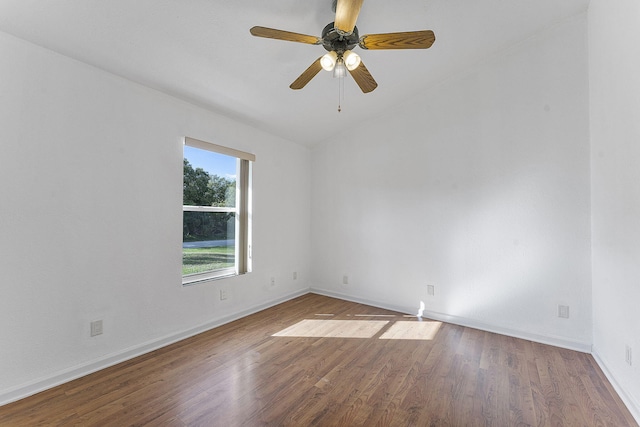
201, 50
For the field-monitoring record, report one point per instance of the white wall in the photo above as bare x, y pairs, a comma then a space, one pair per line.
614, 37
480, 187
90, 219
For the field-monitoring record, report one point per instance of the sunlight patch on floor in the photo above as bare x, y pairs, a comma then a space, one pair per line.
411, 331
313, 328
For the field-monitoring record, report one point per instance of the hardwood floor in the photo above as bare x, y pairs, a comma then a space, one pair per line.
321, 361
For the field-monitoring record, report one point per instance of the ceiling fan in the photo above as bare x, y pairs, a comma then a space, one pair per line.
339, 38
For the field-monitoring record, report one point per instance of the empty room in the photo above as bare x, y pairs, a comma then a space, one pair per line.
213, 213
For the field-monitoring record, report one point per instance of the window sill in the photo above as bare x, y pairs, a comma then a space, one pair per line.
207, 277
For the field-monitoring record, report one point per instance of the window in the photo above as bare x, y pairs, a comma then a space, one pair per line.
216, 231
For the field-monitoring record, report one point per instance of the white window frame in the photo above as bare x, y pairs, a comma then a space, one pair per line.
242, 212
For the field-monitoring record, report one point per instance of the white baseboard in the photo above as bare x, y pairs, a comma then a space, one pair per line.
82, 370
462, 321
632, 404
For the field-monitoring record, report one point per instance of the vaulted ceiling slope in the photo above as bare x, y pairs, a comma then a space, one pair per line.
201, 50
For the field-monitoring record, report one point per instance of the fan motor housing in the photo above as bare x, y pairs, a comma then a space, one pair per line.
332, 40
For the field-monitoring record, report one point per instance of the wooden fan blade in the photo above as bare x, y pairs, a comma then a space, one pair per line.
307, 75
347, 12
408, 40
364, 79
271, 33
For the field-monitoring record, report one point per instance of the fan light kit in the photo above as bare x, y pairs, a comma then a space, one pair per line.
339, 38
331, 60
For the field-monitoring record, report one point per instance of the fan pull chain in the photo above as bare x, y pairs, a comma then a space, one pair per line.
340, 93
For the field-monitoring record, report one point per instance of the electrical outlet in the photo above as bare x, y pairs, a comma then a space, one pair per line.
628, 356
96, 328
223, 294
345, 280
273, 281
431, 290
295, 275
563, 311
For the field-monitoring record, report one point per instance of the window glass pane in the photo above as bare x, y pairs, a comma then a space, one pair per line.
208, 241
209, 178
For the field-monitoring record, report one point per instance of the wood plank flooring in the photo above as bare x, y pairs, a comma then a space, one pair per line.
319, 361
